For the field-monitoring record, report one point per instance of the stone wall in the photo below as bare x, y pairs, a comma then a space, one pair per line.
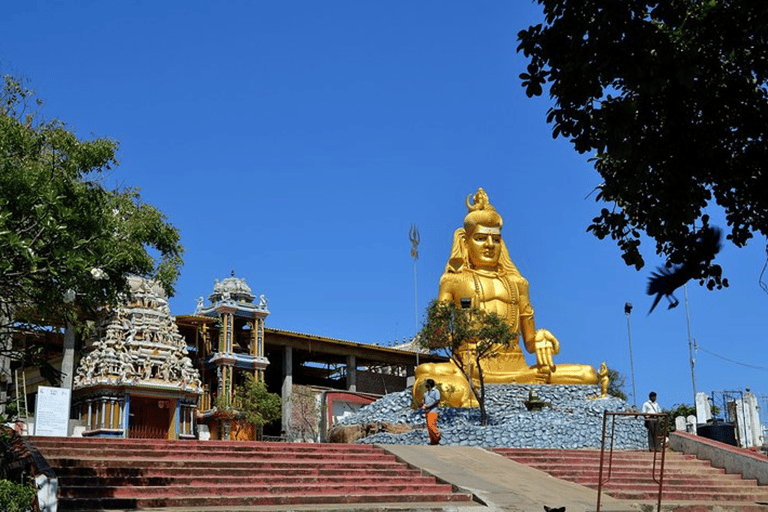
731, 459
379, 383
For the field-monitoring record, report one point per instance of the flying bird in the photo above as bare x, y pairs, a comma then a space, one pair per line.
666, 280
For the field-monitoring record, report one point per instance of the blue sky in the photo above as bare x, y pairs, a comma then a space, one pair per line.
296, 142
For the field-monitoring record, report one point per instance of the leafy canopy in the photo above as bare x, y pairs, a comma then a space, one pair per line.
616, 384
61, 230
67, 242
467, 336
671, 97
255, 404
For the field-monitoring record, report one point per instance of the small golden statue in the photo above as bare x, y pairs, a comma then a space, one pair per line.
480, 269
604, 380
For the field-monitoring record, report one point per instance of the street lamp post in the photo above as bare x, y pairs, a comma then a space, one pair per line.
628, 312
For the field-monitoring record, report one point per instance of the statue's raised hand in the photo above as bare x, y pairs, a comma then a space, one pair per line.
546, 345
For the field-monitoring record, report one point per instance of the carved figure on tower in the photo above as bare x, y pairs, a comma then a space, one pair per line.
480, 269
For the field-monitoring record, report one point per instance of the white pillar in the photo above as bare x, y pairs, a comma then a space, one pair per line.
68, 362
287, 390
703, 408
748, 421
89, 422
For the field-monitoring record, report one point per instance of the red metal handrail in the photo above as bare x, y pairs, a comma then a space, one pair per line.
660, 480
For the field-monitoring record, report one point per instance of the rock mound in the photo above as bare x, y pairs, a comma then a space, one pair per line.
573, 420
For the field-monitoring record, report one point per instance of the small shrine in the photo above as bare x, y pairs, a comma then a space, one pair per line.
230, 344
137, 379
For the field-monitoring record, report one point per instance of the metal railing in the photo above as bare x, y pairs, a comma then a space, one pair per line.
662, 432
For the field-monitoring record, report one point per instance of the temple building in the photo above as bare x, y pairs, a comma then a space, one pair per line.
137, 379
145, 373
227, 337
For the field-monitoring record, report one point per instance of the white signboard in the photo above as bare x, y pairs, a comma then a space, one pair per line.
52, 411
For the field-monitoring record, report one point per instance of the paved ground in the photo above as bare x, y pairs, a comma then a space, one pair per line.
502, 484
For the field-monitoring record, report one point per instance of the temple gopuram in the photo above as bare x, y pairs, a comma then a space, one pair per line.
137, 379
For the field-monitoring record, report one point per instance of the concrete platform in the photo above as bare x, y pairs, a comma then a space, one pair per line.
502, 484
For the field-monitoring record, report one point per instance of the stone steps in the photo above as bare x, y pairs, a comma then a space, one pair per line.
108, 474
202, 475
686, 479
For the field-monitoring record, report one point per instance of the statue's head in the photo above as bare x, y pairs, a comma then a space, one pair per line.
478, 245
482, 233
481, 213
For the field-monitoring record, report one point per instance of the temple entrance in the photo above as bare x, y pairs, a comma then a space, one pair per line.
150, 418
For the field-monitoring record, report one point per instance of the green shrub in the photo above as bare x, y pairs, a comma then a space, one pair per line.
16, 497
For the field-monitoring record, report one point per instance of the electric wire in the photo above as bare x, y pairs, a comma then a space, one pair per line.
756, 367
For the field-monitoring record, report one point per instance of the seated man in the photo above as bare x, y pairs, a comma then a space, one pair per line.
480, 269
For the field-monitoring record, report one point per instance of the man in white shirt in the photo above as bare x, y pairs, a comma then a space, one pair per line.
652, 422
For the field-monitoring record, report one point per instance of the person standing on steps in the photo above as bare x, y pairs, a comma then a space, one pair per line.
431, 406
652, 423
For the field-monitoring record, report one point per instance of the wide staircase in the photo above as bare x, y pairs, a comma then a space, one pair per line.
102, 474
688, 482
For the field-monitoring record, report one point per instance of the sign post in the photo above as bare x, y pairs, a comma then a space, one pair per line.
52, 411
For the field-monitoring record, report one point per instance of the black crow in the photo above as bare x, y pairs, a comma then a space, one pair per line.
666, 280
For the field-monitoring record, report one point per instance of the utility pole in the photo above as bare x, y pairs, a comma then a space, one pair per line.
628, 311
691, 345
415, 238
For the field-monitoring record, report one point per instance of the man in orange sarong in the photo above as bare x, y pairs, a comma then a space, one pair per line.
431, 406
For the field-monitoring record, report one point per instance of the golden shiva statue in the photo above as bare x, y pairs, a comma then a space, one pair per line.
481, 269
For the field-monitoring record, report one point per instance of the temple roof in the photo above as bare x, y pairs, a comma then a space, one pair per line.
231, 287
232, 292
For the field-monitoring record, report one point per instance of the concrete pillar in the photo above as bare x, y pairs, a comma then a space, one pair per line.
287, 390
260, 336
68, 362
351, 373
255, 338
748, 421
230, 332
121, 422
703, 408
690, 424
126, 415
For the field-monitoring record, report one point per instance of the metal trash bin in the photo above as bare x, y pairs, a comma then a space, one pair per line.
719, 431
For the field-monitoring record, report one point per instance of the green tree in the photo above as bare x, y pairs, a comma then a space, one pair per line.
256, 405
67, 242
616, 383
467, 337
671, 98
683, 410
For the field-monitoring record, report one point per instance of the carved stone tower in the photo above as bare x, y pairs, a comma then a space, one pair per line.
138, 380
